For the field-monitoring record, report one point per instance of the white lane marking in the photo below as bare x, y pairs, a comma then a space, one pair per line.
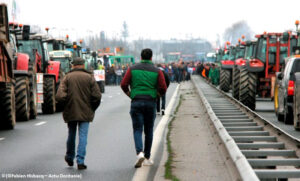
142, 173
40, 123
110, 96
2, 139
118, 93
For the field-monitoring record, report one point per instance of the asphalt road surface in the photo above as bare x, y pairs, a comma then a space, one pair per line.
266, 109
35, 149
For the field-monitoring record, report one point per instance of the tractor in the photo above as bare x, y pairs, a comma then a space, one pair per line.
7, 98
258, 75
25, 78
47, 71
227, 64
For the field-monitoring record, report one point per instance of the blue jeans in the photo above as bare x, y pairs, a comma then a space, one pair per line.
118, 79
83, 128
143, 115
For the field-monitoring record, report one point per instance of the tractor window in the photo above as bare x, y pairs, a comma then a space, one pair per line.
283, 54
261, 49
272, 50
232, 54
50, 47
29, 45
46, 52
293, 43
249, 52
240, 53
64, 63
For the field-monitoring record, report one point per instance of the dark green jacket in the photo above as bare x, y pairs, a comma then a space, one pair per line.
145, 81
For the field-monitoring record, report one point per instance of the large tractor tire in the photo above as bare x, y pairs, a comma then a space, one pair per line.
49, 105
235, 82
225, 80
7, 108
247, 92
22, 92
33, 91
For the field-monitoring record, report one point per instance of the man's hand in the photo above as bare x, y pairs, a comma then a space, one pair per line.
128, 93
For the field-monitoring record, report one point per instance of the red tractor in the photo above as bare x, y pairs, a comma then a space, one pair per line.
25, 79
258, 76
7, 95
227, 64
36, 47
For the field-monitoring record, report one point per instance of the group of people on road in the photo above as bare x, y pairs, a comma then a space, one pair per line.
143, 83
115, 73
209, 71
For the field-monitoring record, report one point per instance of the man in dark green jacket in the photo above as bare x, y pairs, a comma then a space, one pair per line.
145, 82
214, 75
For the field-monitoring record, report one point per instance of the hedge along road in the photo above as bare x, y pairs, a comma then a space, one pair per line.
38, 146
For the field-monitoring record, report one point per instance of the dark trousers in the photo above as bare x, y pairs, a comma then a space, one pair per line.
143, 114
163, 103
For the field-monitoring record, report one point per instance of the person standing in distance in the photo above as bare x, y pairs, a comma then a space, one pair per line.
145, 82
81, 96
163, 97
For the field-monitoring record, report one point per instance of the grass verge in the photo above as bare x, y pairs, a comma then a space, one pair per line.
168, 165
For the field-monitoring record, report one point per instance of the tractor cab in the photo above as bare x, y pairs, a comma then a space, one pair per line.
36, 49
75, 49
56, 44
219, 55
64, 57
271, 50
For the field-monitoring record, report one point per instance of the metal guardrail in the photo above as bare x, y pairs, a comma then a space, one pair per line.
256, 146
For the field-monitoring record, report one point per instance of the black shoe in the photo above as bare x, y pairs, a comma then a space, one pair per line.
162, 112
81, 166
69, 162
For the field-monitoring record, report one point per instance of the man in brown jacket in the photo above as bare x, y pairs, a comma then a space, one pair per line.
80, 95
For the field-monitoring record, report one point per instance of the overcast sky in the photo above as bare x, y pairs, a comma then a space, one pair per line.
157, 19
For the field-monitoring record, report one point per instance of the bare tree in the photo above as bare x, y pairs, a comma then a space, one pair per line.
233, 33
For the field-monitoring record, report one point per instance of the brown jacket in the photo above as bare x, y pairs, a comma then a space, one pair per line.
80, 94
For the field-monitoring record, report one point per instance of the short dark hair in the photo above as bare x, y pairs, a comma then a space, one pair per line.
146, 54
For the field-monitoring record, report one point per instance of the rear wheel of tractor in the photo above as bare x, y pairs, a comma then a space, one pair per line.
235, 82
22, 93
49, 105
247, 92
224, 80
33, 91
7, 108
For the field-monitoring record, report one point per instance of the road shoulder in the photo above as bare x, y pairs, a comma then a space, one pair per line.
198, 152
